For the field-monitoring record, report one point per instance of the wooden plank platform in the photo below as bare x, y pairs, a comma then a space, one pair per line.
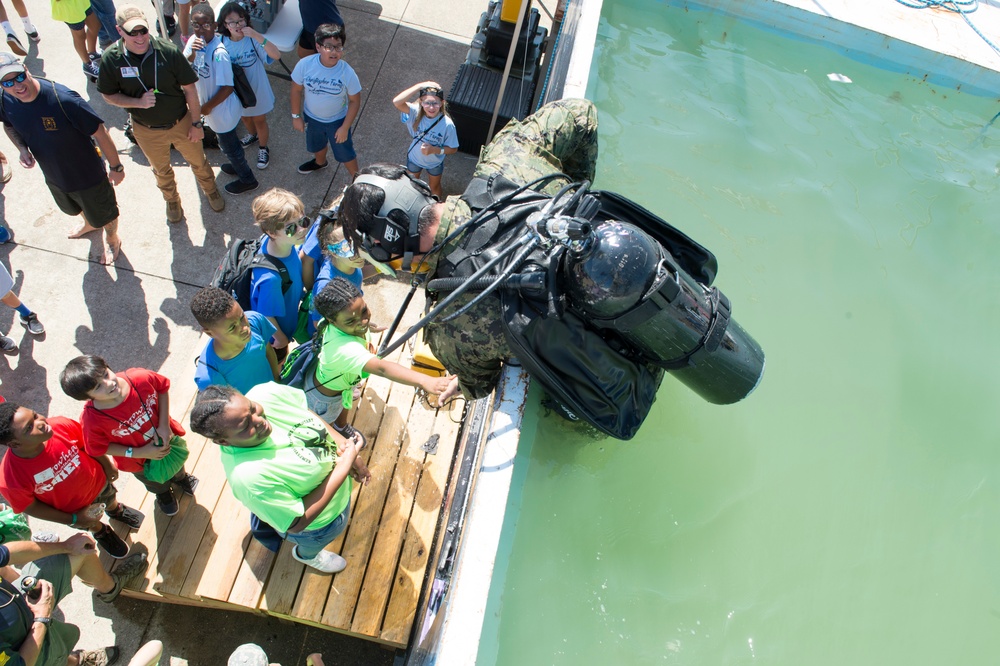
205, 556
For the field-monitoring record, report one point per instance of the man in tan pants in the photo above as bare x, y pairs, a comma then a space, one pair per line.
151, 78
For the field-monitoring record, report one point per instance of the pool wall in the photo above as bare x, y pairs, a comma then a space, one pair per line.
937, 47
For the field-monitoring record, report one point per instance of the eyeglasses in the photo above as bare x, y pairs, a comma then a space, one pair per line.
138, 32
336, 49
292, 228
202, 26
431, 103
237, 24
343, 249
9, 83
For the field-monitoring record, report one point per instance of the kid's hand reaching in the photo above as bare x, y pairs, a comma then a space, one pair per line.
438, 385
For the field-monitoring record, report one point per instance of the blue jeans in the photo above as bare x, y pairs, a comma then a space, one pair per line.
105, 10
309, 543
229, 142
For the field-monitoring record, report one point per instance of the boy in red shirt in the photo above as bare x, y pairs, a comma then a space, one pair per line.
48, 475
127, 415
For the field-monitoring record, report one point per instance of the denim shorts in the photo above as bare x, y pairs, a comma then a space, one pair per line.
311, 542
326, 407
414, 168
319, 134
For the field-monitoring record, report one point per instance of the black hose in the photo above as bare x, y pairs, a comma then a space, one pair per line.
514, 265
451, 297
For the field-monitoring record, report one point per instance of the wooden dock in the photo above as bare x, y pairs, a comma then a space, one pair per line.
205, 556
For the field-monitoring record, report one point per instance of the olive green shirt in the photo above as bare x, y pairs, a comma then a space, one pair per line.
162, 68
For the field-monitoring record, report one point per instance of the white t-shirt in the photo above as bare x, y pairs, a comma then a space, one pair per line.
215, 72
327, 88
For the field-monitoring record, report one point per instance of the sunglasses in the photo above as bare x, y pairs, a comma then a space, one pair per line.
343, 249
138, 32
9, 83
293, 227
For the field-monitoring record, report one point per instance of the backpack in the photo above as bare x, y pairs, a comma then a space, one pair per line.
301, 362
235, 271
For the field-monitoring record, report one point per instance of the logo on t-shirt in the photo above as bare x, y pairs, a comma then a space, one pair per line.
47, 479
311, 434
323, 86
49, 124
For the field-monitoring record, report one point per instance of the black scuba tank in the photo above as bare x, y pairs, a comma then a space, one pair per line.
623, 282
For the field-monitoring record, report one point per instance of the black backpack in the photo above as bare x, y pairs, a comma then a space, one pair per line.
235, 271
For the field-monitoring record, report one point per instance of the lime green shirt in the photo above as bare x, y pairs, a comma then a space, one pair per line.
342, 360
271, 478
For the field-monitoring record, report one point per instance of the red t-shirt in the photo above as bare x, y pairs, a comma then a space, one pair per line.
132, 423
62, 475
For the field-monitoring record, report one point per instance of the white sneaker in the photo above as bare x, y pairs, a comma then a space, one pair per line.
325, 561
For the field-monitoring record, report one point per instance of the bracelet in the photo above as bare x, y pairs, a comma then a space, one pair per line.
264, 43
43, 620
73, 520
128, 452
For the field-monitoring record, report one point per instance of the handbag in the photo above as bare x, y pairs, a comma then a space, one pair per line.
166, 468
13, 526
241, 85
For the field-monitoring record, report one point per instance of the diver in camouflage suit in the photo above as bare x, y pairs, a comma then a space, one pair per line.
561, 137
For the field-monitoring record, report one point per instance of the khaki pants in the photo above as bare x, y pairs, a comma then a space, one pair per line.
155, 145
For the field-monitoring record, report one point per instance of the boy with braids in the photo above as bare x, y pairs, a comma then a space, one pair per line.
285, 464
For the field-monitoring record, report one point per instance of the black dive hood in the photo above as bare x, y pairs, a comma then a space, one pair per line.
384, 239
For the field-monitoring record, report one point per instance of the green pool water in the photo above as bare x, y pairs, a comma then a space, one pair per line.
848, 512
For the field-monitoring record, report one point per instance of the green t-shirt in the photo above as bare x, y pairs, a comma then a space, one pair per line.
162, 68
271, 478
342, 359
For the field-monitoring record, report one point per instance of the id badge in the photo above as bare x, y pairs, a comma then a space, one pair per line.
130, 72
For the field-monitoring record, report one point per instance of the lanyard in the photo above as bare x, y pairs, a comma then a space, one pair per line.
149, 51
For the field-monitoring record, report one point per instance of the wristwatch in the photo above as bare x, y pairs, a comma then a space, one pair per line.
198, 123
43, 620
118, 168
296, 116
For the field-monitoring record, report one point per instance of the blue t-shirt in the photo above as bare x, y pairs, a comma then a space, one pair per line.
315, 13
265, 291
57, 126
245, 370
311, 248
327, 271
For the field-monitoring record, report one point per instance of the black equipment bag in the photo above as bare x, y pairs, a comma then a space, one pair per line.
588, 373
235, 271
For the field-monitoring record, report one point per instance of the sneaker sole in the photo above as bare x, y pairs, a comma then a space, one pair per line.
17, 48
262, 166
308, 171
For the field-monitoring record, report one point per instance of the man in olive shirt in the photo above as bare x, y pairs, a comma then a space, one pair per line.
149, 77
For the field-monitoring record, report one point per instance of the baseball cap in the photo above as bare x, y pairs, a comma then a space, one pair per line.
9, 64
129, 17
